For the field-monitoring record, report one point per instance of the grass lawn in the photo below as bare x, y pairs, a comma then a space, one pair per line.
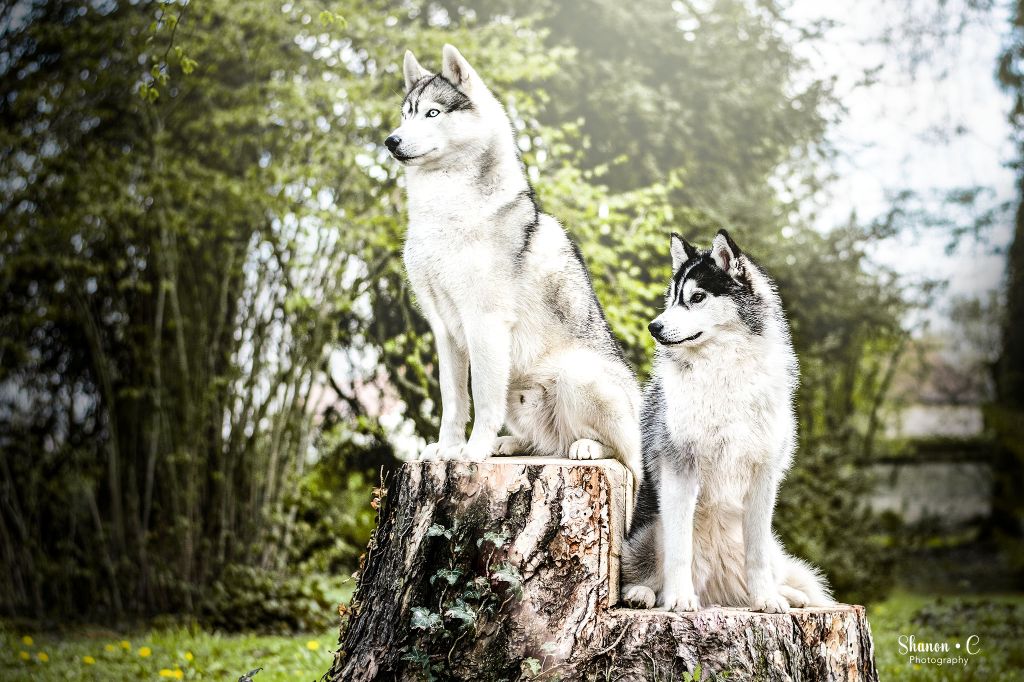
179, 653
998, 622
162, 654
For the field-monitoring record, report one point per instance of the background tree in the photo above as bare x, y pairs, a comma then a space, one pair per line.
1005, 415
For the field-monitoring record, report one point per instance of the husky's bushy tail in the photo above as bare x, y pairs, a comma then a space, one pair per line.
803, 584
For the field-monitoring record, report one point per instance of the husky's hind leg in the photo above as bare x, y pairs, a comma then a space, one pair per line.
596, 400
511, 445
642, 570
585, 448
639, 596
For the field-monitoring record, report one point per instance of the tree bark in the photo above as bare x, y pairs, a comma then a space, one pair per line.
508, 569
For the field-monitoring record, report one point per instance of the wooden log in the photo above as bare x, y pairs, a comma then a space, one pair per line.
804, 644
508, 569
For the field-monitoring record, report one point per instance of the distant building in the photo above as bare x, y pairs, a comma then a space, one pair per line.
936, 462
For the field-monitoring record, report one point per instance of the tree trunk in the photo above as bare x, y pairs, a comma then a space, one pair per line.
508, 569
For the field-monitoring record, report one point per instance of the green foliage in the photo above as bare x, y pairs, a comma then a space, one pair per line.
463, 597
714, 91
700, 673
203, 310
159, 256
531, 668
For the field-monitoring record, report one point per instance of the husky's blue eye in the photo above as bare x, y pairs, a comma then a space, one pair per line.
698, 297
432, 113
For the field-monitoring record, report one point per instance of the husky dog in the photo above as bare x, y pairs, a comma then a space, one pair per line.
504, 289
719, 432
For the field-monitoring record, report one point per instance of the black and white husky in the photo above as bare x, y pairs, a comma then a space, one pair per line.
505, 291
719, 430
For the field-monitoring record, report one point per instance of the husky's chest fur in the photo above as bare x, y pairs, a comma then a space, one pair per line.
730, 410
452, 227
483, 254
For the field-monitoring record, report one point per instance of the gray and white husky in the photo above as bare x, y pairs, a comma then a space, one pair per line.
503, 287
719, 430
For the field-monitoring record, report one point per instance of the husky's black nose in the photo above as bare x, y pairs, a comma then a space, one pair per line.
655, 329
392, 142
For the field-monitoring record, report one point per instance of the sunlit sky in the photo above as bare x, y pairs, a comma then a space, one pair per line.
888, 137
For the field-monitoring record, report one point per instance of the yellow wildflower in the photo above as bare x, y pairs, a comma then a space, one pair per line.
166, 672
27, 640
178, 674
145, 651
126, 645
312, 645
42, 656
189, 656
88, 660
23, 655
110, 648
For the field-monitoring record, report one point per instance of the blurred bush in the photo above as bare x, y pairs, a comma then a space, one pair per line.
251, 599
334, 516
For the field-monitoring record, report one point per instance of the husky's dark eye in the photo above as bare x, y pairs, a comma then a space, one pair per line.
698, 297
432, 113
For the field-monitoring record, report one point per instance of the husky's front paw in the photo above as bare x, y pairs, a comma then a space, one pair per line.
682, 603
585, 448
639, 596
433, 451
771, 603
472, 452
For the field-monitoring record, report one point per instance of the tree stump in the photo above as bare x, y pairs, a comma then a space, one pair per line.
508, 569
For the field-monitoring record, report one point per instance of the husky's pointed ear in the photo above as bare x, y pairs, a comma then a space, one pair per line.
413, 70
726, 253
682, 251
455, 68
